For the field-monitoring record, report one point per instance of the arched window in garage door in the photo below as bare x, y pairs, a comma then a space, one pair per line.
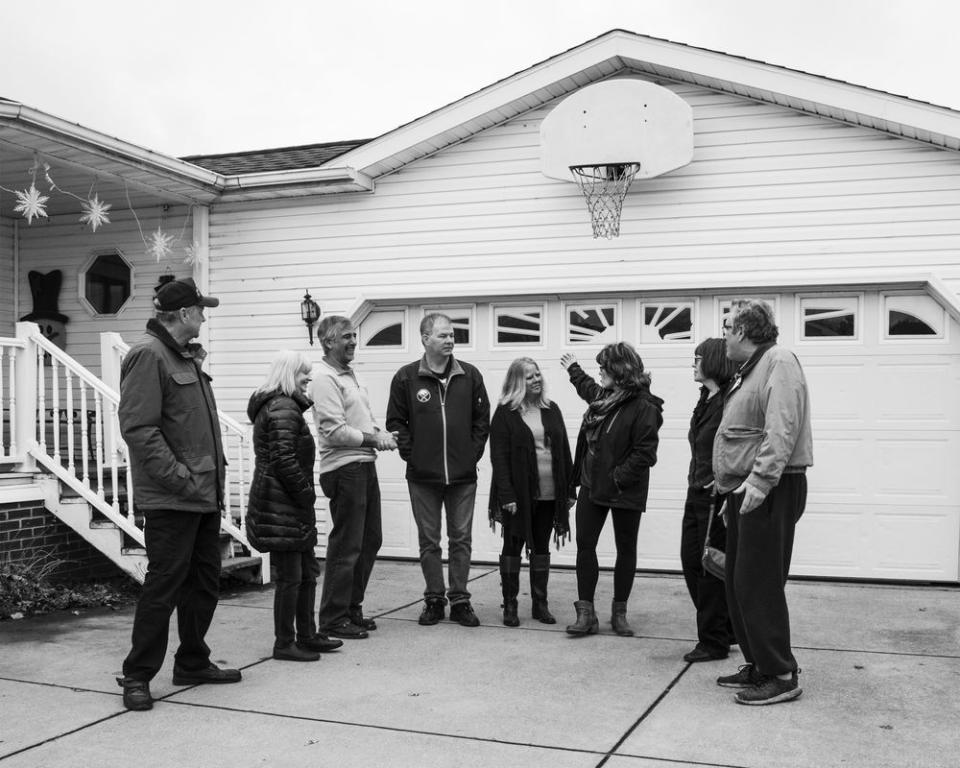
913, 317
383, 329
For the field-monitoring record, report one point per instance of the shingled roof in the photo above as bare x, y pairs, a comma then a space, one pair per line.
282, 159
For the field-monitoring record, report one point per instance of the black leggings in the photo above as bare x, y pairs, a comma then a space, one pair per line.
626, 525
542, 524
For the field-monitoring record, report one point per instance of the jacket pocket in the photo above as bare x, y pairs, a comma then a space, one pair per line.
737, 449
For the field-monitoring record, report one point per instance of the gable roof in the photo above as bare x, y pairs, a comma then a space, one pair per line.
620, 52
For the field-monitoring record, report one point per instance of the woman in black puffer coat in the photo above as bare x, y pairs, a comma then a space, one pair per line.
280, 516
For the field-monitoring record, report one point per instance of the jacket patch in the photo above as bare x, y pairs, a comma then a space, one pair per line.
423, 395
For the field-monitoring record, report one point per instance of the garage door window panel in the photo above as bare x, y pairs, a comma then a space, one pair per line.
519, 326
383, 329
596, 324
830, 318
913, 317
666, 322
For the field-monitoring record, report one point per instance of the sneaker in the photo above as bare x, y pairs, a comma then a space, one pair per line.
463, 614
745, 677
433, 611
210, 674
294, 652
357, 617
347, 630
770, 690
136, 694
319, 643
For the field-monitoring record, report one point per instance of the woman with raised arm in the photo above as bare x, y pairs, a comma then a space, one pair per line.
280, 516
616, 447
532, 465
713, 370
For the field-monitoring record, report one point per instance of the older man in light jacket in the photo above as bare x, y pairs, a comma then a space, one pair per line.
760, 456
349, 439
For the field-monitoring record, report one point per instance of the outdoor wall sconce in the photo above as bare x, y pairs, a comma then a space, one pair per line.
309, 313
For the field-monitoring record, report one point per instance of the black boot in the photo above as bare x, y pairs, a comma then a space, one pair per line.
539, 575
510, 582
587, 623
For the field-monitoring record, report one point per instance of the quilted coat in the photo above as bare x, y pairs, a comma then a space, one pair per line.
281, 515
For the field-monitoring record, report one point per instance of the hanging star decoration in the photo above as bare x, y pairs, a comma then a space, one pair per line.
31, 204
159, 244
191, 253
95, 212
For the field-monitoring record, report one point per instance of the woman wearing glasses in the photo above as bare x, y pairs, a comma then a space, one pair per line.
713, 370
616, 447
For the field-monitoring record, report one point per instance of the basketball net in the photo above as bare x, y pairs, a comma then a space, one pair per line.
604, 187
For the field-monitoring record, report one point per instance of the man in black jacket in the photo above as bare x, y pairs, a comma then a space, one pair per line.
441, 414
169, 421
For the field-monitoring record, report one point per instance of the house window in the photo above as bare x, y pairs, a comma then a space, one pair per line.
383, 329
592, 323
916, 317
518, 325
829, 318
105, 283
462, 318
669, 321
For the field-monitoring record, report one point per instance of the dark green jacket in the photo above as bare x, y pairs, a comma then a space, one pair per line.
168, 418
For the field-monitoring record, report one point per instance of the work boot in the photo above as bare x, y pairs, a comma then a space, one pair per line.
539, 575
618, 619
587, 623
510, 584
432, 612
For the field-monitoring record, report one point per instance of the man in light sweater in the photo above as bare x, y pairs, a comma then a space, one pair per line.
348, 439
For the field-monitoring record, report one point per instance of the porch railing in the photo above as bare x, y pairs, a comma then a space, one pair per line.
58, 414
237, 442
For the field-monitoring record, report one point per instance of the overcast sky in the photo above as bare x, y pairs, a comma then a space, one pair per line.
208, 76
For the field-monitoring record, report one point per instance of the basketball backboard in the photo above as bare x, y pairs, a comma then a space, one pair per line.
617, 122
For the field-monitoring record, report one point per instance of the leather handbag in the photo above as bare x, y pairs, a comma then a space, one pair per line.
713, 559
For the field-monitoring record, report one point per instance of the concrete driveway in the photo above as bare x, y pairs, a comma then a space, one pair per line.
881, 675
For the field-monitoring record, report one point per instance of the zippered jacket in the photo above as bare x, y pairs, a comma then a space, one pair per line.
168, 419
280, 515
441, 429
627, 448
765, 429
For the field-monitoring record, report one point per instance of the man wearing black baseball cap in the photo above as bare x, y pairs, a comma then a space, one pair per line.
168, 417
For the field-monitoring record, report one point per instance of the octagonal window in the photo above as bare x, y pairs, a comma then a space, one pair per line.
105, 283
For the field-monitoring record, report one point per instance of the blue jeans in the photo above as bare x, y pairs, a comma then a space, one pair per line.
353, 541
427, 501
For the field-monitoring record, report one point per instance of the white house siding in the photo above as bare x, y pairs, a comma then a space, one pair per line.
7, 318
770, 193
63, 243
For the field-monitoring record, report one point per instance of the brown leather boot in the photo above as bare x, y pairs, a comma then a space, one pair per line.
587, 623
618, 619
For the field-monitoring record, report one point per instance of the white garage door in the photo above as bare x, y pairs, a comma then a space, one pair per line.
882, 369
